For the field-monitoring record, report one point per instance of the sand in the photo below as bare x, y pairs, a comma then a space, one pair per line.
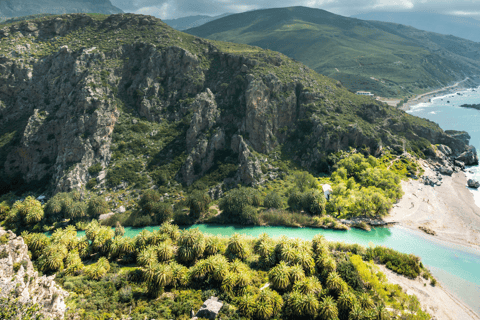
437, 301
449, 210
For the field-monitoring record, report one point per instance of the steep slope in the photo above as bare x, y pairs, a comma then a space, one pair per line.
192, 21
363, 55
125, 100
19, 8
459, 26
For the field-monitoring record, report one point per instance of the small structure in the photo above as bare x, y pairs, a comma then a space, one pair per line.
327, 191
365, 93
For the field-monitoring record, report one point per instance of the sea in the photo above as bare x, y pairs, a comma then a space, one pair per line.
445, 110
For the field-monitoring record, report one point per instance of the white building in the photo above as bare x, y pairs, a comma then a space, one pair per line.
365, 93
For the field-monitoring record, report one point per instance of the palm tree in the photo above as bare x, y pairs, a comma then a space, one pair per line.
165, 251
96, 207
263, 310
293, 304
171, 230
288, 253
73, 263
279, 276
246, 305
356, 313
308, 285
76, 210
320, 244
180, 274
382, 313
157, 277
119, 230
237, 247
147, 256
97, 270
192, 245
229, 282
36, 242
213, 245
365, 301
273, 298
304, 259
326, 264
336, 284
296, 273
143, 239
310, 305
328, 308
345, 303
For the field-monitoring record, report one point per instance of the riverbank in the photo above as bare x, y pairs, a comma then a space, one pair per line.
449, 210
426, 97
436, 300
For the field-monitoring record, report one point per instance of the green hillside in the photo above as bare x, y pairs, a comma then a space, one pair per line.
387, 59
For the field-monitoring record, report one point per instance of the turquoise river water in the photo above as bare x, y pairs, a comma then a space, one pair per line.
457, 267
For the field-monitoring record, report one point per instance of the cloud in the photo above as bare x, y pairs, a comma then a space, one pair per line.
170, 9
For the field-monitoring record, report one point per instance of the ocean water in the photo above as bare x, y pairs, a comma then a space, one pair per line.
446, 111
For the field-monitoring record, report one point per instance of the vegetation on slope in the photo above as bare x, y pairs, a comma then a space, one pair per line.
363, 55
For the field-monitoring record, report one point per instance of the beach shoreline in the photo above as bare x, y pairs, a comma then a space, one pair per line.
426, 97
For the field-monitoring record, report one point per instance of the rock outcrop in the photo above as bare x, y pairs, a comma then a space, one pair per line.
17, 277
209, 309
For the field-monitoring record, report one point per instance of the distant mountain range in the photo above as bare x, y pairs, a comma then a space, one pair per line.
192, 21
458, 26
20, 8
385, 58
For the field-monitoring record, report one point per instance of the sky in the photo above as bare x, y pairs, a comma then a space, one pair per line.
172, 9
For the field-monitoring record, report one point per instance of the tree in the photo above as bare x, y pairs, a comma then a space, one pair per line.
308, 285
191, 245
198, 202
147, 256
119, 230
279, 276
237, 247
148, 200
97, 270
272, 200
157, 277
304, 181
162, 212
96, 207
328, 309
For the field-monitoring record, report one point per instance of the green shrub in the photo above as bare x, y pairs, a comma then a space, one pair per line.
272, 200
162, 212
198, 202
95, 169
97, 206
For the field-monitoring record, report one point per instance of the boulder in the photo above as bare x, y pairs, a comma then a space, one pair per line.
121, 209
446, 170
444, 149
473, 183
210, 308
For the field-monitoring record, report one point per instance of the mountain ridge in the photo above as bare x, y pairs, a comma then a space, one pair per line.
390, 60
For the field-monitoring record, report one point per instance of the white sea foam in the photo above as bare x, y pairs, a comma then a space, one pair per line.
474, 173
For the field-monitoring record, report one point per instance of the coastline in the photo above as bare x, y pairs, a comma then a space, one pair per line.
426, 97
449, 210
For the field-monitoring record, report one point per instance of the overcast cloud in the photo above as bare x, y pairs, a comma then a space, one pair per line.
171, 9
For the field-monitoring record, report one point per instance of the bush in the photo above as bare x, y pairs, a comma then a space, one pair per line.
95, 169
149, 200
97, 206
162, 212
235, 201
405, 264
272, 200
198, 202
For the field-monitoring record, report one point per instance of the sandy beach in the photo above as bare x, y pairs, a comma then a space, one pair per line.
437, 301
426, 97
451, 212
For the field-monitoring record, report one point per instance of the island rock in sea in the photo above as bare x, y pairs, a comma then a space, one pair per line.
18, 278
473, 183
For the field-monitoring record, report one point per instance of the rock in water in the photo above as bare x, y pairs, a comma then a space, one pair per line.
473, 183
18, 277
210, 308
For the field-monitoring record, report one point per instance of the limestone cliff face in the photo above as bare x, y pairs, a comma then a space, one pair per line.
18, 277
74, 88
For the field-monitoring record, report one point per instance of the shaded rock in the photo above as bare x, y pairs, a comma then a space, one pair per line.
473, 183
427, 230
121, 209
210, 308
469, 157
446, 170
444, 149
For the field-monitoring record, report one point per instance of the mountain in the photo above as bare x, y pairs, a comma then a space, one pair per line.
387, 59
459, 26
192, 21
125, 101
20, 8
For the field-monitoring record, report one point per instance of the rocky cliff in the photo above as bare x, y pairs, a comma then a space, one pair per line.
112, 101
19, 8
18, 278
